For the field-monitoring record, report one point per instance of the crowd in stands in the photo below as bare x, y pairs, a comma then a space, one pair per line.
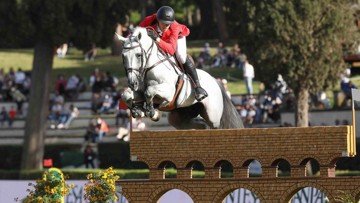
14, 87
106, 98
264, 107
222, 58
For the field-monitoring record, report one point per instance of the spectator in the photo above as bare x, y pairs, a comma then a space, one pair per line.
74, 113
122, 112
91, 131
89, 156
110, 82
204, 57
279, 88
96, 89
4, 116
56, 110
11, 75
220, 58
19, 99
266, 108
249, 74
12, 115
251, 100
62, 50
26, 84
102, 128
19, 79
2, 79
60, 85
243, 113
71, 87
137, 125
346, 88
233, 59
9, 82
63, 117
91, 53
96, 130
251, 114
322, 101
81, 86
106, 104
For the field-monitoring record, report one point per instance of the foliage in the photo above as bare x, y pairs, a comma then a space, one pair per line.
101, 186
77, 21
302, 40
345, 197
51, 188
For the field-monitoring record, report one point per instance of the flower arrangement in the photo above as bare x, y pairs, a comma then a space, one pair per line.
101, 186
345, 197
51, 188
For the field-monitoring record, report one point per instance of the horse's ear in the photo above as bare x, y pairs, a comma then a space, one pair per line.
121, 38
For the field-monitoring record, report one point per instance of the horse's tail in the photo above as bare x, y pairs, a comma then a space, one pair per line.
230, 117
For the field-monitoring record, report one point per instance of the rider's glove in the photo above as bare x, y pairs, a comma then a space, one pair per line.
151, 33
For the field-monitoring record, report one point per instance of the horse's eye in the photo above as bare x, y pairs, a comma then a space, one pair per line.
138, 55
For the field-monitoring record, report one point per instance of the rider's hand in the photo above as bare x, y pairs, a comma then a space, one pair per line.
151, 33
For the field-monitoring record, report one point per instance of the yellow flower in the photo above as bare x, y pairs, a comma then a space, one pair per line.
101, 186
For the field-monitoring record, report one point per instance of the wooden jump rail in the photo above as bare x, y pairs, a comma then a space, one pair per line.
240, 147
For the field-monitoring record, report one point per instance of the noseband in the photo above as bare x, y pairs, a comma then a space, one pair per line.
144, 68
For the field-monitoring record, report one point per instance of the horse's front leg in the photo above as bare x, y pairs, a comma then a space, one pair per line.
134, 101
164, 91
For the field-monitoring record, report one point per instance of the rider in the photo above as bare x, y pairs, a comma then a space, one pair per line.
171, 37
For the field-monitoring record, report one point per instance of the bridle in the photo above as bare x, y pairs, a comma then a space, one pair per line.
146, 54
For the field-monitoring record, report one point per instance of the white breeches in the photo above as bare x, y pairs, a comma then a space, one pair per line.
181, 53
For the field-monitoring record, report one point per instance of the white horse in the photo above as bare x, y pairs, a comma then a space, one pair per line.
156, 83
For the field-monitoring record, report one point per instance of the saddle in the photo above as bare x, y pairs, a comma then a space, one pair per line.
179, 84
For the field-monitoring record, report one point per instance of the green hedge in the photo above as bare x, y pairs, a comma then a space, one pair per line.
115, 154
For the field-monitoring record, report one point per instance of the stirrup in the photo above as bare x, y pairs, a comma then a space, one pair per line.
200, 94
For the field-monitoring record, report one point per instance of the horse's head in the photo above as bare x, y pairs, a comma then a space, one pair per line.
135, 56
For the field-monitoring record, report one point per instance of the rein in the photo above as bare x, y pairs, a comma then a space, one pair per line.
143, 70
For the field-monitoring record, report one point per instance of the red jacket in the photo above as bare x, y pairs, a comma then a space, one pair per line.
169, 38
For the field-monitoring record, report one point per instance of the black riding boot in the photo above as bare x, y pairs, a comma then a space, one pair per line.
189, 67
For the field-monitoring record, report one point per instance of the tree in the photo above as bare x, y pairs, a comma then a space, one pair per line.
220, 20
51, 23
300, 39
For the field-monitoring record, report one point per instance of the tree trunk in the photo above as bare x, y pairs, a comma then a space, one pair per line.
206, 29
302, 111
35, 127
220, 20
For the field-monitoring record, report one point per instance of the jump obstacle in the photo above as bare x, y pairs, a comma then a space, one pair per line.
296, 145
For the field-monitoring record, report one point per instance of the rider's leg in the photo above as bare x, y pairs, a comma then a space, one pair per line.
189, 68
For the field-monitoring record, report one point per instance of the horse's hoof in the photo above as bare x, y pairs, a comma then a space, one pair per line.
150, 113
137, 114
156, 116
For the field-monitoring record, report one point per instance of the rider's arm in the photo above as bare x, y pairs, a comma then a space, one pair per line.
168, 43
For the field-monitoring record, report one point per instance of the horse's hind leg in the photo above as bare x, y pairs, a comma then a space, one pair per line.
186, 118
179, 121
